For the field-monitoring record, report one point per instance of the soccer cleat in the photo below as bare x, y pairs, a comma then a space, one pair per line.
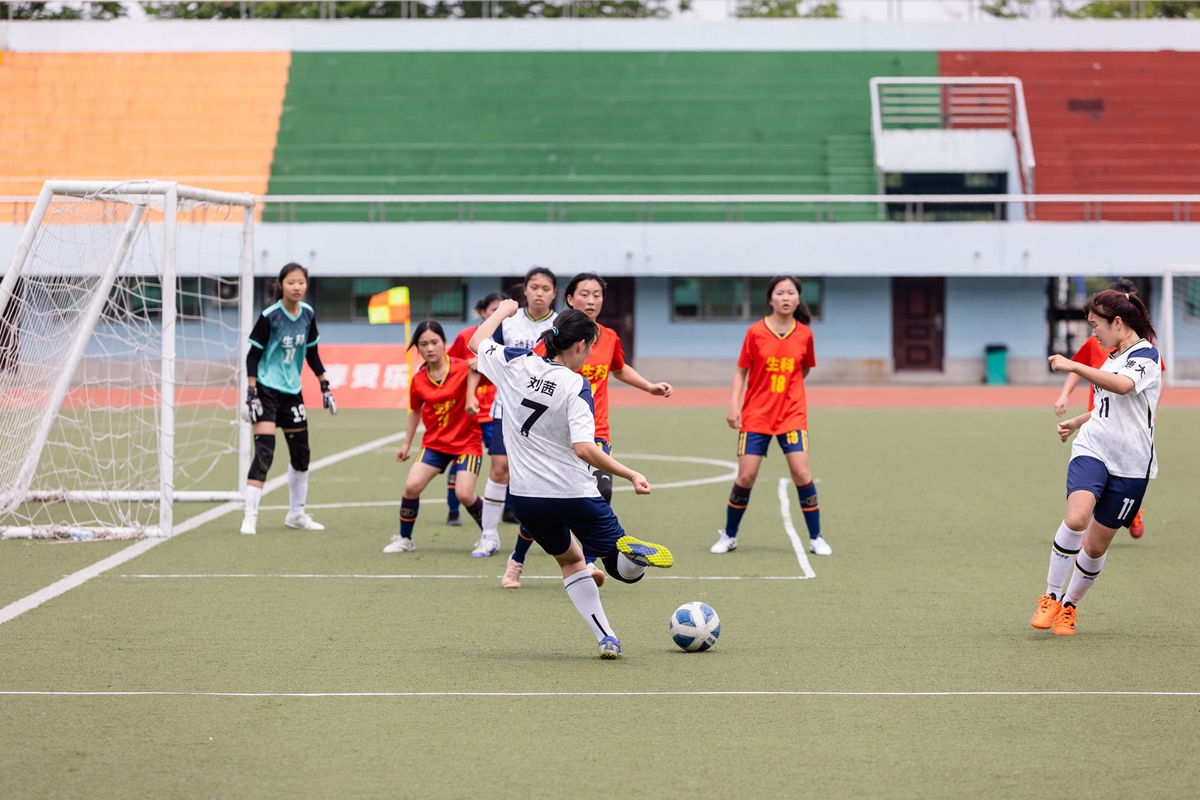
819, 547
250, 524
454, 520
486, 546
597, 574
644, 553
1064, 623
400, 544
610, 647
509, 517
1047, 610
512, 575
726, 544
302, 522
1137, 528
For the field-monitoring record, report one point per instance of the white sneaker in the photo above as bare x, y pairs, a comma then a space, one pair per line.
400, 544
302, 522
820, 547
486, 546
250, 524
726, 544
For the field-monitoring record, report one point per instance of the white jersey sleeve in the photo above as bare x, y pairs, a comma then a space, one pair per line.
1120, 431
550, 409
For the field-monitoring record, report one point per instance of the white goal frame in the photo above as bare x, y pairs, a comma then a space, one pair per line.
139, 194
1167, 322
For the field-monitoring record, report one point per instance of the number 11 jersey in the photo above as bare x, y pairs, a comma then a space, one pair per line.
547, 409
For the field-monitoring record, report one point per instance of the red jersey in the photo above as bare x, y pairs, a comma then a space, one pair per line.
486, 391
448, 429
1091, 354
607, 355
775, 401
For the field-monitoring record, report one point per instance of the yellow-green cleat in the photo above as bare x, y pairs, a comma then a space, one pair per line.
645, 553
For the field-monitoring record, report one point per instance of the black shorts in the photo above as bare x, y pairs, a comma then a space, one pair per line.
285, 410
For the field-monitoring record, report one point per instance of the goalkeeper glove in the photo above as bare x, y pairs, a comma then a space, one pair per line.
253, 404
327, 398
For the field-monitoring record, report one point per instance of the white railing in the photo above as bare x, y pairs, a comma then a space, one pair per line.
949, 104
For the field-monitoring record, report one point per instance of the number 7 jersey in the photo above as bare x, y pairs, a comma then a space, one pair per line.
547, 410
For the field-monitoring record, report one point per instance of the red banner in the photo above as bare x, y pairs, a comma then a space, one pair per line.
361, 376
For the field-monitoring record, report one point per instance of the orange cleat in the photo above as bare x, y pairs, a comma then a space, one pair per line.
1064, 623
512, 575
1137, 528
1047, 610
597, 574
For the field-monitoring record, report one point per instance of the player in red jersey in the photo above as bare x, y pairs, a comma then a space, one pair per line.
486, 394
585, 293
1092, 354
777, 354
441, 395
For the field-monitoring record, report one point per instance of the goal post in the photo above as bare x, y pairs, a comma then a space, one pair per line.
124, 323
1179, 325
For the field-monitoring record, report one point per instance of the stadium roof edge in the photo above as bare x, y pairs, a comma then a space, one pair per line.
596, 35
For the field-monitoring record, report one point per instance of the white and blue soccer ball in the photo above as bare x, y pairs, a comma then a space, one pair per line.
695, 627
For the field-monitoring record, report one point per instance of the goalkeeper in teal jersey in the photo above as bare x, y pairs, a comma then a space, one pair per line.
284, 337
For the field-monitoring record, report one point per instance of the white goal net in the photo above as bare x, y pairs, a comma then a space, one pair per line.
123, 320
1179, 325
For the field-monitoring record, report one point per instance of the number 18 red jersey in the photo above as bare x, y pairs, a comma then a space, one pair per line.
775, 401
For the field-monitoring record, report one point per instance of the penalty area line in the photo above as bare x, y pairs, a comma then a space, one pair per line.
400, 576
60, 587
698, 693
785, 508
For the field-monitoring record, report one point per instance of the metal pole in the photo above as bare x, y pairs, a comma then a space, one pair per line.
166, 434
245, 325
82, 336
1167, 315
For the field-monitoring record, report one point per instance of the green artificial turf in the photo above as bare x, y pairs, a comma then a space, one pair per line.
940, 521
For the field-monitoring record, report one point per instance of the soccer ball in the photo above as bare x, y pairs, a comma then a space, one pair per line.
695, 627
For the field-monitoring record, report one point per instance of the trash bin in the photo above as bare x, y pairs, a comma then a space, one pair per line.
997, 364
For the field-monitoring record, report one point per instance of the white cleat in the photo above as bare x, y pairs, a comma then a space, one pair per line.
726, 544
820, 547
486, 546
250, 524
400, 544
302, 522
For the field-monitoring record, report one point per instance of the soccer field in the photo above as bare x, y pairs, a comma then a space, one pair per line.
303, 665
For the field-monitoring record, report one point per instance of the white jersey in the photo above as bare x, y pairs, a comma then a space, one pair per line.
550, 409
521, 331
1120, 431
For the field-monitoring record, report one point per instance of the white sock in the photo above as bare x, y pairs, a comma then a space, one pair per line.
1062, 559
630, 570
1087, 569
253, 497
493, 507
586, 597
297, 490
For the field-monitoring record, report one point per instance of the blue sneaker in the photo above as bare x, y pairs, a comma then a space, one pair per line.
610, 647
645, 553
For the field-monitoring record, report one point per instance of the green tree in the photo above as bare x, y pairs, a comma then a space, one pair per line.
381, 9
788, 8
58, 11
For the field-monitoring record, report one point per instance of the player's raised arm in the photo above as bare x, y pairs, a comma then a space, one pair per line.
595, 457
484, 332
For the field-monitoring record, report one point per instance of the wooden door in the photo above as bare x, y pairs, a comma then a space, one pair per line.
618, 311
918, 323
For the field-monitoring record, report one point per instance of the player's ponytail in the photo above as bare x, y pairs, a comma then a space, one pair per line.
802, 314
1110, 304
427, 325
570, 326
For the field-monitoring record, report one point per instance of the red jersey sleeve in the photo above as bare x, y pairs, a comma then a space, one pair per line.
810, 356
618, 358
746, 358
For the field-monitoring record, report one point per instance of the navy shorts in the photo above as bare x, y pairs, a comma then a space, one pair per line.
440, 461
550, 521
497, 448
1117, 499
486, 429
756, 444
285, 410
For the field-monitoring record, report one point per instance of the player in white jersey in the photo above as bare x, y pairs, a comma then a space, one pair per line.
521, 330
550, 429
1112, 459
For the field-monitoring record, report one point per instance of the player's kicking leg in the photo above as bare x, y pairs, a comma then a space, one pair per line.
1065, 549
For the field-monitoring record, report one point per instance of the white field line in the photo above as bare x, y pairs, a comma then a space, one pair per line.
785, 508
715, 693
723, 478
352, 576
14, 610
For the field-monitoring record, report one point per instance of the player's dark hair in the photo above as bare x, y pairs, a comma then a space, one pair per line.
580, 278
540, 271
288, 269
517, 292
427, 325
493, 297
570, 326
801, 314
1123, 285
1111, 304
